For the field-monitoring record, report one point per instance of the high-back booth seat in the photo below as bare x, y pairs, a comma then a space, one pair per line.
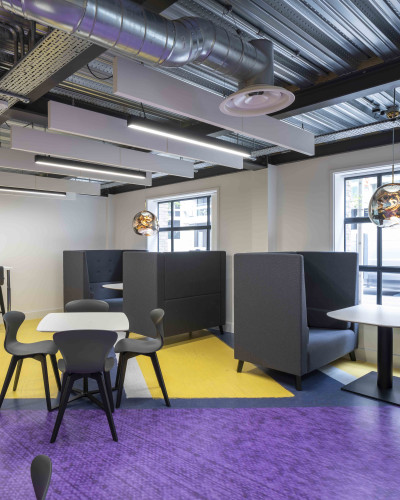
188, 286
85, 273
281, 301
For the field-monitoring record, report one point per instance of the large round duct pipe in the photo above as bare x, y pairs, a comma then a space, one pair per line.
132, 31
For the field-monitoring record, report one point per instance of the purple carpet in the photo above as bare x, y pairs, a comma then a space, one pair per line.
270, 453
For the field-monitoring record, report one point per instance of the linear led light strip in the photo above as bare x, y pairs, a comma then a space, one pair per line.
85, 167
169, 135
30, 191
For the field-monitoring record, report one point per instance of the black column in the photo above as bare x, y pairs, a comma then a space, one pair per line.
385, 357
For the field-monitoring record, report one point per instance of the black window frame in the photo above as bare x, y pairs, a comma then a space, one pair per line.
379, 269
172, 228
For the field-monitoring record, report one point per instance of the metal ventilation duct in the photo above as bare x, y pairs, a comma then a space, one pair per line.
133, 31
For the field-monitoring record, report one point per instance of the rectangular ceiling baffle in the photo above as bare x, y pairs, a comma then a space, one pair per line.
88, 150
78, 121
136, 82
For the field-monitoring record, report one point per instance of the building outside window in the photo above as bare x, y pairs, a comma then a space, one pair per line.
378, 249
185, 224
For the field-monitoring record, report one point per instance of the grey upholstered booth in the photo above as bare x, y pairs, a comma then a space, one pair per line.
281, 301
188, 286
85, 273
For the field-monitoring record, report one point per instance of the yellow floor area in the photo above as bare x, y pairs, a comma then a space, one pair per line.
359, 368
203, 366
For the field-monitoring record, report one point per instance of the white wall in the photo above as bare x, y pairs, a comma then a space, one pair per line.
303, 216
242, 216
34, 232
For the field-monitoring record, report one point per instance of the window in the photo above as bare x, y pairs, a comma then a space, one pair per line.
379, 250
185, 224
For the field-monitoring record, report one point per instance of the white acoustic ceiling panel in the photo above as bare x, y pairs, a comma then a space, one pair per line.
78, 121
20, 160
80, 149
136, 82
34, 182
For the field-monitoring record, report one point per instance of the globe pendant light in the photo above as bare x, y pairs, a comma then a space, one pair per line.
145, 223
384, 206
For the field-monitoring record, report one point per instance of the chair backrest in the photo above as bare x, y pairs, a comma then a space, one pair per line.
41, 468
85, 351
157, 316
12, 321
87, 305
1, 275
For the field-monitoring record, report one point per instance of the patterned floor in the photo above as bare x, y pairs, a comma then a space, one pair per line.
225, 442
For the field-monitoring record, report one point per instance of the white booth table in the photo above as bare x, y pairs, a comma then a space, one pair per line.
114, 286
381, 385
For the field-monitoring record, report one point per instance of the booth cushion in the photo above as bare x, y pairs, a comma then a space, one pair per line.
104, 266
331, 283
97, 291
116, 305
324, 346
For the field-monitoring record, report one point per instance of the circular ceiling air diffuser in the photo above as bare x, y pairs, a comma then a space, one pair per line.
257, 100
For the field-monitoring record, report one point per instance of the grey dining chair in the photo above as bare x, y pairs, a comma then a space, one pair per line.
130, 348
87, 305
85, 354
20, 351
2, 308
41, 468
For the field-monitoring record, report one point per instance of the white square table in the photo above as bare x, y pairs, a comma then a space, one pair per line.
58, 322
381, 385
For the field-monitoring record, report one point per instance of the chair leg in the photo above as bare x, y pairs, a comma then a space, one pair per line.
160, 378
107, 380
127, 334
240, 366
221, 330
55, 370
17, 374
10, 371
68, 382
298, 383
2, 308
46, 382
123, 360
85, 384
106, 403
352, 355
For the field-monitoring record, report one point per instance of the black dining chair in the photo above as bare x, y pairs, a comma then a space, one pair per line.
85, 354
87, 305
130, 348
41, 468
2, 308
19, 351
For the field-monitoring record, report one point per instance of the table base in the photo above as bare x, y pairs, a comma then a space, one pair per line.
367, 386
83, 394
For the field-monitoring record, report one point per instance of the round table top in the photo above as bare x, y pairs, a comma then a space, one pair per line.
369, 314
114, 286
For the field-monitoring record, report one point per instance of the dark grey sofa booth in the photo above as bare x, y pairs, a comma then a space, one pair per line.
189, 286
280, 306
85, 273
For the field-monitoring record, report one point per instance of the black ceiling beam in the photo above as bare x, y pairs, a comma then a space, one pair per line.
156, 6
172, 179
344, 146
382, 77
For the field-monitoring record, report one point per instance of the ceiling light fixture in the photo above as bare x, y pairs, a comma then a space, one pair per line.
32, 191
158, 129
88, 167
384, 206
